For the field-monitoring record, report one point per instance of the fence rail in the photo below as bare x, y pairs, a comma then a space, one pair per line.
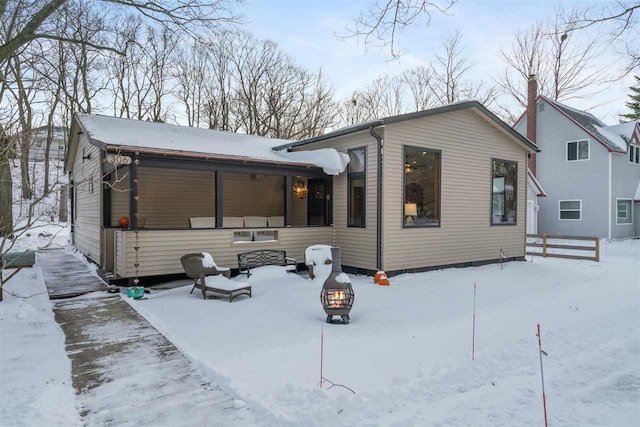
545, 245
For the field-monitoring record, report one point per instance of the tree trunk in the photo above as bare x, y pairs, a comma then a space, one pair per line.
6, 189
64, 204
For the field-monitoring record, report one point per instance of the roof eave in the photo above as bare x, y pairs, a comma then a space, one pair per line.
203, 156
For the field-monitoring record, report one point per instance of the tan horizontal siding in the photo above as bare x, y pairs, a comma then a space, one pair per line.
87, 181
160, 250
468, 142
358, 244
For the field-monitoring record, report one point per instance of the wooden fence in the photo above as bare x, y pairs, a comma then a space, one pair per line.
563, 242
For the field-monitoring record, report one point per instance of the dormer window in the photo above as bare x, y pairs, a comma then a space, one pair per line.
578, 150
634, 154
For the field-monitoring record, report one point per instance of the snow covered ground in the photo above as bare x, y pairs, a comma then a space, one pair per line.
35, 373
407, 351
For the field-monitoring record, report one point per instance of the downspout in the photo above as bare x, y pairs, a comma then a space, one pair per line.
378, 138
609, 201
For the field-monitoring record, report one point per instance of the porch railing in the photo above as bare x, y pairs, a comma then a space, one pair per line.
158, 252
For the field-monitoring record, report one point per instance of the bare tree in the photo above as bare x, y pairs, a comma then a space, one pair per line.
451, 81
619, 19
566, 66
383, 20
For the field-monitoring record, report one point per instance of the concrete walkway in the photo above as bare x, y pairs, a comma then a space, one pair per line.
67, 276
124, 371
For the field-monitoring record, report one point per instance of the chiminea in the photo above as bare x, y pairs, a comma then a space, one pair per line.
337, 294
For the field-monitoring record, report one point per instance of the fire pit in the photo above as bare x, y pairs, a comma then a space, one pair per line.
337, 294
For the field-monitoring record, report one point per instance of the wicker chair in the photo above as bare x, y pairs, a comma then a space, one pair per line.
192, 264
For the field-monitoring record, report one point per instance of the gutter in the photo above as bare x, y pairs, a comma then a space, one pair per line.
378, 138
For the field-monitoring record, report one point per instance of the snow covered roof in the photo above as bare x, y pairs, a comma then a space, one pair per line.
592, 125
118, 133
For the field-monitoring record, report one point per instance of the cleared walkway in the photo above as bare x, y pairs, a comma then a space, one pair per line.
123, 370
67, 276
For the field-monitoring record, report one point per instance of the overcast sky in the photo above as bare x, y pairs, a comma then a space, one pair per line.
309, 29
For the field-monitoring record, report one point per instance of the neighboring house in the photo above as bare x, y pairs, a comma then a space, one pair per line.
38, 145
590, 171
534, 192
442, 187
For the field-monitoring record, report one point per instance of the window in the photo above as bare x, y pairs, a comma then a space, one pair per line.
634, 154
578, 150
357, 187
421, 204
571, 210
504, 181
624, 214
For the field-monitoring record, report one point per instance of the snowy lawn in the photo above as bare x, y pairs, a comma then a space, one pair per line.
35, 372
407, 351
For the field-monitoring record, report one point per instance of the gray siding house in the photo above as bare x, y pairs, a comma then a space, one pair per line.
590, 171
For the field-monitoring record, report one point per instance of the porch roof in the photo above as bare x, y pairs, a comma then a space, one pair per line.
119, 134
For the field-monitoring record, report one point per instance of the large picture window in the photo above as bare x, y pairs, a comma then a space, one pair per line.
357, 187
421, 204
504, 181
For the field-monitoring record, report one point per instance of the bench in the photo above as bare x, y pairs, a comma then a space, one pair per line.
17, 261
254, 259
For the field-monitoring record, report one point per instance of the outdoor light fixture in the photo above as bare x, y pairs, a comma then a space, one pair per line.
410, 212
337, 293
408, 168
300, 189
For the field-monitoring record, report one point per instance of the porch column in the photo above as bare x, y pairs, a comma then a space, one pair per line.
219, 199
133, 193
288, 206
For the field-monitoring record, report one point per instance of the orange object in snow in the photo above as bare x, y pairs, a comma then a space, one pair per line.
378, 275
124, 222
383, 280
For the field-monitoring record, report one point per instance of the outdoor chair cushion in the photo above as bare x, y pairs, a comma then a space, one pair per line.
233, 222
203, 222
275, 221
255, 221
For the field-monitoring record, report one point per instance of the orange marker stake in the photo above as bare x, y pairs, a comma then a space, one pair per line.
544, 399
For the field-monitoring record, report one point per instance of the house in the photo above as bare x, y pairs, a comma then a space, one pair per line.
441, 187
38, 145
590, 170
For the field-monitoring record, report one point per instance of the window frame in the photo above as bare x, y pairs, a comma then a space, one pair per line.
634, 153
515, 192
404, 186
629, 212
569, 210
578, 159
357, 175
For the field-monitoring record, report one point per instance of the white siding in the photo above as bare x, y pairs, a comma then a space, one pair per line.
87, 182
468, 142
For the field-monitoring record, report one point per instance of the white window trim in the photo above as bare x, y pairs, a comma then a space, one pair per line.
630, 212
633, 147
569, 210
566, 151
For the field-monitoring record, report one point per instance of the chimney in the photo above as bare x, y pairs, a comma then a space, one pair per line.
532, 117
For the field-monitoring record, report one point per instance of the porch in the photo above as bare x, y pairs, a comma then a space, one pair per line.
177, 206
